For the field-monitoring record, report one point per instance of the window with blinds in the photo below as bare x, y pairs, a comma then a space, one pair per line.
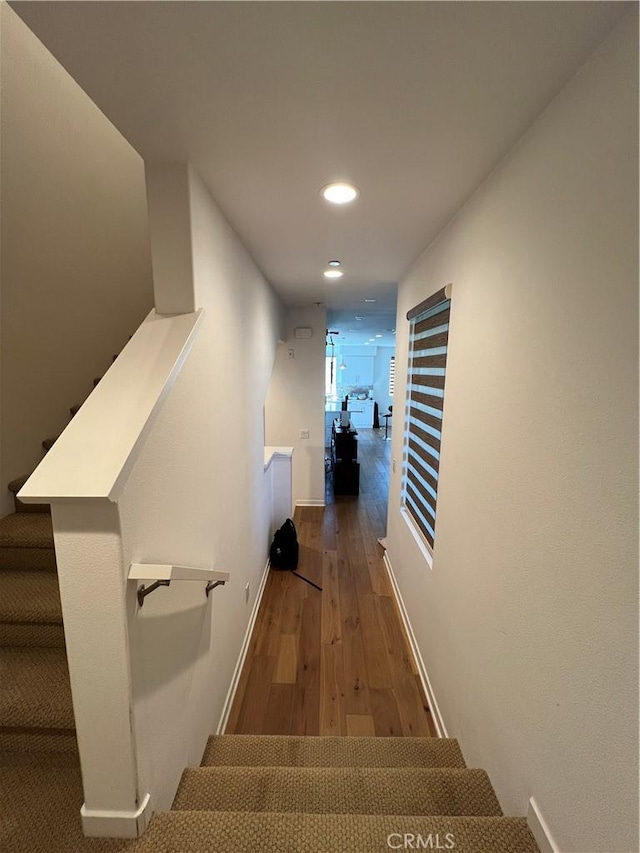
392, 374
428, 339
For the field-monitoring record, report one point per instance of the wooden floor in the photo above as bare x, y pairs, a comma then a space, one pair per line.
335, 662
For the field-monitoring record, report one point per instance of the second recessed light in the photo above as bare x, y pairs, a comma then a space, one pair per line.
340, 193
333, 273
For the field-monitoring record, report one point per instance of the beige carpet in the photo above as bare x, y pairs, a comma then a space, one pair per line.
270, 751
228, 832
339, 790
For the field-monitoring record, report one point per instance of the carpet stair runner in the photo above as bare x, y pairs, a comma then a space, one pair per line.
330, 794
266, 793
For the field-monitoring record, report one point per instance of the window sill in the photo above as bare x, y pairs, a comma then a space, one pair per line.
415, 532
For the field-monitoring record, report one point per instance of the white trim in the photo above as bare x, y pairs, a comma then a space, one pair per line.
422, 670
310, 503
97, 823
97, 451
231, 693
270, 453
155, 572
417, 535
540, 830
448, 288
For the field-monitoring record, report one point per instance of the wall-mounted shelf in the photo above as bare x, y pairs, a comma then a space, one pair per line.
162, 575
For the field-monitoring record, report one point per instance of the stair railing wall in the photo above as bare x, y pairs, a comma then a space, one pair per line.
85, 477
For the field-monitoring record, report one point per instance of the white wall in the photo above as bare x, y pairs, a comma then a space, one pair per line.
197, 496
381, 379
528, 621
76, 269
296, 402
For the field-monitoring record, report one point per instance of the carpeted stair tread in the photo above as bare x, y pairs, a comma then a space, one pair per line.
30, 597
246, 832
340, 790
28, 559
291, 751
34, 743
35, 689
26, 530
17, 634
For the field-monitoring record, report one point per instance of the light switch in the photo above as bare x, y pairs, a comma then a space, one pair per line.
292, 352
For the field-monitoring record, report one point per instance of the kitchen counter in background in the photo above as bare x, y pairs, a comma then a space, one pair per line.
361, 415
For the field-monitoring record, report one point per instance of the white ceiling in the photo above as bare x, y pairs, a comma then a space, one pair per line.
413, 102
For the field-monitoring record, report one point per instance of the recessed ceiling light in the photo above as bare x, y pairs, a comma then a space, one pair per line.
357, 318
334, 263
378, 336
333, 273
353, 330
340, 193
369, 300
372, 340
366, 343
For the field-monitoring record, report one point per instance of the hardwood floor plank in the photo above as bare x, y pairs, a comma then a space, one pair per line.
373, 640
306, 711
427, 710
408, 695
384, 710
267, 627
397, 643
331, 631
380, 583
332, 698
291, 614
287, 661
355, 670
329, 527
254, 700
308, 670
278, 716
360, 725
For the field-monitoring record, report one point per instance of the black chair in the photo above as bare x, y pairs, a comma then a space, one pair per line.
386, 417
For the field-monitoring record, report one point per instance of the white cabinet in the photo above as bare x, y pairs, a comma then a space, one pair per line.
358, 373
361, 413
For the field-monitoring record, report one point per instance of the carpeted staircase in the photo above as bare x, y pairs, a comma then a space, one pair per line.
267, 793
334, 795
36, 713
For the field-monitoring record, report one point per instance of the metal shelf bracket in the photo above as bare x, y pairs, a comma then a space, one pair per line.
144, 591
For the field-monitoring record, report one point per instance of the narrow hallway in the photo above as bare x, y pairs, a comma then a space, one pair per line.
335, 662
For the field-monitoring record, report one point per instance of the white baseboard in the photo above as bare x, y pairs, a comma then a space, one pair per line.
98, 823
540, 830
226, 710
310, 503
422, 671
